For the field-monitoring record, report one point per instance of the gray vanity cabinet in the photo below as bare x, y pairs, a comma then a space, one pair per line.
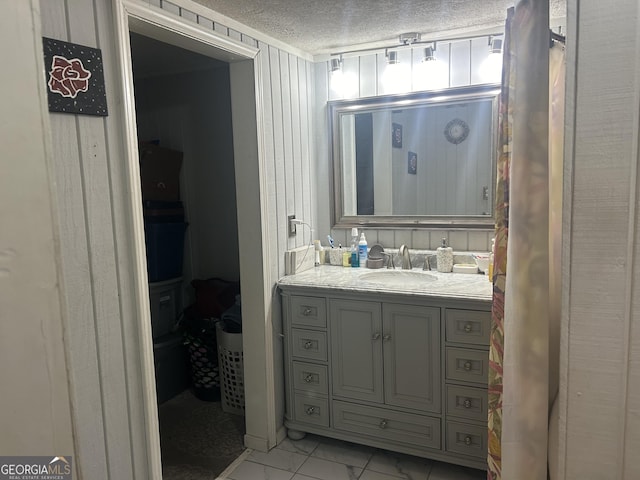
386, 353
403, 374
356, 349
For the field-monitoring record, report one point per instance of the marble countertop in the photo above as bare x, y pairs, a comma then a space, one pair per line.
435, 284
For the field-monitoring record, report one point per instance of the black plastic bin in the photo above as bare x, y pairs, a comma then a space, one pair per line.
165, 249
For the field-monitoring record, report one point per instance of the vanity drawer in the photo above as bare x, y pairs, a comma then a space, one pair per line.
467, 402
308, 311
310, 377
467, 365
311, 410
415, 430
468, 326
466, 439
309, 344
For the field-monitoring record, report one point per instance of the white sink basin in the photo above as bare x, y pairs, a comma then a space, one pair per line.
397, 277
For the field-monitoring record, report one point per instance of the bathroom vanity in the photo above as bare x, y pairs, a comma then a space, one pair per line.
395, 359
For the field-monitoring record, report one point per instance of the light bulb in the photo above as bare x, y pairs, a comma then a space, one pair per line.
430, 75
491, 69
396, 78
344, 84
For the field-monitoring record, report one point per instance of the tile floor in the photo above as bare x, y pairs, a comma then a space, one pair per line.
319, 458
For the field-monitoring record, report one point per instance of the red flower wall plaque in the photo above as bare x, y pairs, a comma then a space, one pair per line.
75, 78
68, 77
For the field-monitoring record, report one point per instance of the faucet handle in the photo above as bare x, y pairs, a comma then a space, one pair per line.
427, 265
390, 263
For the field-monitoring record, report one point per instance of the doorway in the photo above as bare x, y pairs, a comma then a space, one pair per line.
183, 117
244, 63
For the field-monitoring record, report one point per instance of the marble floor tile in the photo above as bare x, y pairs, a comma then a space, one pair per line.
304, 446
399, 465
277, 458
445, 471
343, 452
326, 470
254, 471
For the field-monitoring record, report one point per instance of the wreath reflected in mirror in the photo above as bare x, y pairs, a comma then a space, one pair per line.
456, 131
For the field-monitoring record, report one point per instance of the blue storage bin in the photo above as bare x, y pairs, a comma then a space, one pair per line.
165, 249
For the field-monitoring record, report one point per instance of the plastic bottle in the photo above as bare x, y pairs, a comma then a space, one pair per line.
444, 257
355, 261
362, 250
491, 255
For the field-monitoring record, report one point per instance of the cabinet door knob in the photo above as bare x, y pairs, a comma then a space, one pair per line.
386, 338
308, 378
308, 344
467, 365
376, 336
467, 440
383, 424
307, 312
467, 327
310, 410
467, 403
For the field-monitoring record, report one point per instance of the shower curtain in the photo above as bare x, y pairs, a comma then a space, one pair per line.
523, 377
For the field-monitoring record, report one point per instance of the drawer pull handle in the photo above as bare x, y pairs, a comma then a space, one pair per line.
467, 365
308, 344
310, 410
467, 328
376, 336
383, 424
386, 338
307, 312
467, 440
467, 403
308, 378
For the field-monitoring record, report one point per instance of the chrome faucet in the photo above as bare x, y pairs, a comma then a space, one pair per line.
406, 258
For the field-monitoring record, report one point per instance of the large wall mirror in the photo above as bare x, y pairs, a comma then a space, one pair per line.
426, 158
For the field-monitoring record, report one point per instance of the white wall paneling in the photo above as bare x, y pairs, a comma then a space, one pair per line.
36, 413
600, 392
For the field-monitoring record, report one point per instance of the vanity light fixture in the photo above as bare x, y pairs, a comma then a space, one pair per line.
344, 84
491, 68
429, 54
495, 45
430, 74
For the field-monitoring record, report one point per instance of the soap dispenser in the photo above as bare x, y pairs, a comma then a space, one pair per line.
444, 257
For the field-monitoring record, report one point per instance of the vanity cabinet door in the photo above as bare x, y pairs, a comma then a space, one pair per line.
356, 349
411, 345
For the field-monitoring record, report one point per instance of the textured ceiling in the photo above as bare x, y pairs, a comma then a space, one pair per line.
324, 26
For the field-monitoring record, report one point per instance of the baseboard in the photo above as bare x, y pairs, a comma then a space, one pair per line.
256, 443
281, 434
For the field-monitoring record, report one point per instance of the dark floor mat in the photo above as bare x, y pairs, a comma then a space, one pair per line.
197, 438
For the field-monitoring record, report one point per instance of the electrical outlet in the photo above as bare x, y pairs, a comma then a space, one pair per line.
292, 225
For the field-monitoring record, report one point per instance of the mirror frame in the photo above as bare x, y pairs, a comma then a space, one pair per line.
337, 108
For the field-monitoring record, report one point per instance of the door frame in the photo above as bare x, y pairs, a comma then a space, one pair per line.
255, 276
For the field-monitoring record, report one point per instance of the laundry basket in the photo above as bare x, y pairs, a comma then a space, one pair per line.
231, 366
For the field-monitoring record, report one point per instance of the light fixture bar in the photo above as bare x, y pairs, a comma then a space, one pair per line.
421, 42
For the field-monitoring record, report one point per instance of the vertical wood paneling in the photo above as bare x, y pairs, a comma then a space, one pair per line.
277, 260
306, 187
81, 331
460, 64
279, 149
600, 392
296, 160
368, 77
285, 97
97, 206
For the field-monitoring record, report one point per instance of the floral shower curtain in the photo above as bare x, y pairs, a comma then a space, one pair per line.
526, 301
